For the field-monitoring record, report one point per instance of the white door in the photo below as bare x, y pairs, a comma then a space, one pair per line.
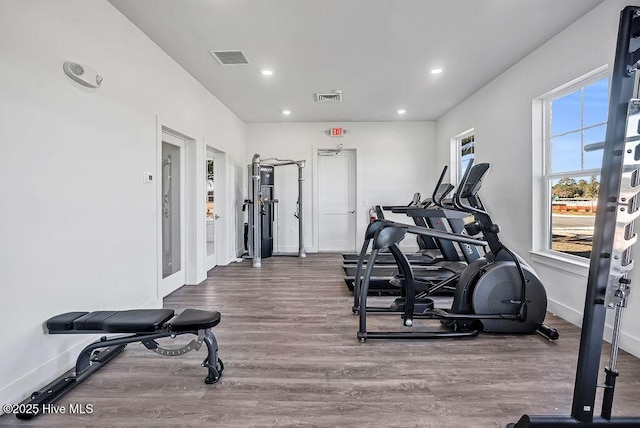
212, 208
337, 201
172, 215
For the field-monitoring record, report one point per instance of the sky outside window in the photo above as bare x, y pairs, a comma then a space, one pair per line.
577, 120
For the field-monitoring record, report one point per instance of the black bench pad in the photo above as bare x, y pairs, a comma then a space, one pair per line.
92, 320
195, 319
133, 321
64, 321
137, 320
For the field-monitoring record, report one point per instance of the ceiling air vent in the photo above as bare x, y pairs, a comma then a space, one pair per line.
333, 97
230, 57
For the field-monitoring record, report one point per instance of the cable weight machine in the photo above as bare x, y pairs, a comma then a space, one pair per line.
608, 284
261, 203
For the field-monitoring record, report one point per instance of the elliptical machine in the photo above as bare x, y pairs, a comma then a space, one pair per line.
497, 293
441, 274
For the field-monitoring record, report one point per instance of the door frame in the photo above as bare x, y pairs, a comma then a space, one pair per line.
188, 220
316, 197
220, 195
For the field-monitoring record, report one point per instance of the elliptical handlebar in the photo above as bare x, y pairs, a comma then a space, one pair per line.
435, 190
469, 187
441, 190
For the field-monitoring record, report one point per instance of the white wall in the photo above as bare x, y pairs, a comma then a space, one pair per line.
501, 114
79, 227
394, 160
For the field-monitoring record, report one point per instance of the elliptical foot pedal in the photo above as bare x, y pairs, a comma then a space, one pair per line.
421, 304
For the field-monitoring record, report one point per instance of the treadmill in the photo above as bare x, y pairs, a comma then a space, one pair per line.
439, 275
428, 248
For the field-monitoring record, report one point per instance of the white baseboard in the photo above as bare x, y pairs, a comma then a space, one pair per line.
565, 312
628, 342
39, 377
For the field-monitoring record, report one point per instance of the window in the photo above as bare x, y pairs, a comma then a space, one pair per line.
575, 120
467, 150
462, 151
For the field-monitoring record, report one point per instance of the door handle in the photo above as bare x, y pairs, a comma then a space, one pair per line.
352, 211
216, 216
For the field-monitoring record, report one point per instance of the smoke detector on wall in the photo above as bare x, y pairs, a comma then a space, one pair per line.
82, 74
332, 97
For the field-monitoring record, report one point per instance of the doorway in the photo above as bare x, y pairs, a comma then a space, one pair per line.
336, 200
172, 220
212, 207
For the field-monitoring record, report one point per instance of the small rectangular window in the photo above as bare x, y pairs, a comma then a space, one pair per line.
467, 152
462, 151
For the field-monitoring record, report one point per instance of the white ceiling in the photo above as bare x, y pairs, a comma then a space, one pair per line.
378, 52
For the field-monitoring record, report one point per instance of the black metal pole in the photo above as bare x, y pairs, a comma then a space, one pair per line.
588, 368
301, 250
605, 252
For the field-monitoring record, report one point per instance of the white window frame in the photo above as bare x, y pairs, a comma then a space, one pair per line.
542, 177
455, 168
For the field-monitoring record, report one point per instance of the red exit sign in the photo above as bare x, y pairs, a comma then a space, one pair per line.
336, 132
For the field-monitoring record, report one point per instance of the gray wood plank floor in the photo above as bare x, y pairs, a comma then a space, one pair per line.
288, 341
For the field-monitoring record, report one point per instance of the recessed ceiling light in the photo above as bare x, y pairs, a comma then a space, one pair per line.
286, 112
401, 111
436, 70
266, 72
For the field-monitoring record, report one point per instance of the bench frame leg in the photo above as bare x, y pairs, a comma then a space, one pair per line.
212, 362
97, 354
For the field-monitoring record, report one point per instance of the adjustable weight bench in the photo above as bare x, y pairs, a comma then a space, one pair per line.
138, 325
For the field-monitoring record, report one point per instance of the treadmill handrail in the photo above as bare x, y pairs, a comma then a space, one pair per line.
423, 231
435, 213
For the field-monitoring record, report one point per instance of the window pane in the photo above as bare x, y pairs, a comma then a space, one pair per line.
468, 149
566, 113
464, 164
467, 152
593, 158
595, 102
565, 152
575, 144
573, 212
